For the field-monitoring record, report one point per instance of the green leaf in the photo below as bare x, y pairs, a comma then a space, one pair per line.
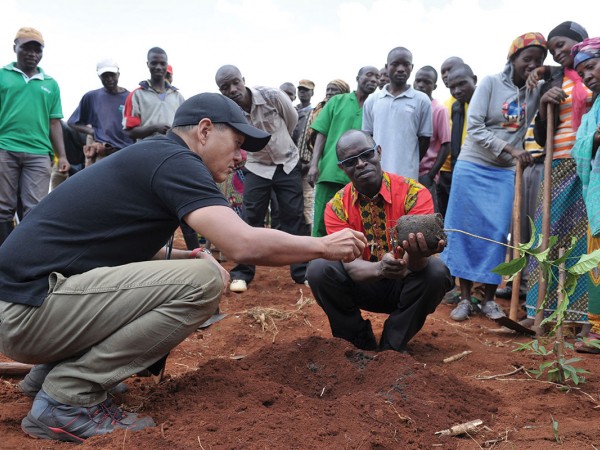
568, 251
569, 346
586, 263
542, 256
537, 373
550, 318
571, 282
572, 360
575, 378
540, 241
523, 347
528, 245
510, 267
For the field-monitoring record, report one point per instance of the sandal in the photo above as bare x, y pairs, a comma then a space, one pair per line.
590, 344
585, 331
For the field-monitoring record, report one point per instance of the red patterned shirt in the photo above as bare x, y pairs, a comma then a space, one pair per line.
376, 216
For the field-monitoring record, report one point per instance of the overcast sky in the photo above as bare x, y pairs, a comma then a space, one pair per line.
274, 41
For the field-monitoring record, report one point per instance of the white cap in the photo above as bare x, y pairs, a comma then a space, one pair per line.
107, 65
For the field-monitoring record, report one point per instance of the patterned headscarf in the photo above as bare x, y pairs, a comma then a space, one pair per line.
341, 85
590, 48
527, 40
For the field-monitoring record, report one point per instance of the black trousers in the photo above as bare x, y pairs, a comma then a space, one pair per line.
257, 194
408, 301
443, 191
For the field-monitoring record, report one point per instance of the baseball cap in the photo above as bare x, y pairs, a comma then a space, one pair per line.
107, 65
28, 34
307, 84
220, 109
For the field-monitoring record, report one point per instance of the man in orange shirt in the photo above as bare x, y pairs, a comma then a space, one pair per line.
403, 279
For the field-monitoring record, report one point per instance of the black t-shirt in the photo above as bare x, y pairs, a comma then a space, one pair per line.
120, 210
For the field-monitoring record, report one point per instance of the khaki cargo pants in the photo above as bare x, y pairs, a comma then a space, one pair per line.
109, 323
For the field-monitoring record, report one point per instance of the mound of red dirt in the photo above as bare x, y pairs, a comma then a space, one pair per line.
270, 376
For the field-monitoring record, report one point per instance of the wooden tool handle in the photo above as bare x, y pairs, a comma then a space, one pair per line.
14, 368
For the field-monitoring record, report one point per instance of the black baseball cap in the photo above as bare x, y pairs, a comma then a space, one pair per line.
220, 109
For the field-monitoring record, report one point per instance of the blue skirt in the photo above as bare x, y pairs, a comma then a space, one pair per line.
481, 200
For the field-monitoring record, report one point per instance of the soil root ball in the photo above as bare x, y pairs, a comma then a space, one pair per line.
431, 225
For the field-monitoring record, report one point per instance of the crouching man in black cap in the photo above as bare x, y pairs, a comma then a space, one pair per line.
93, 300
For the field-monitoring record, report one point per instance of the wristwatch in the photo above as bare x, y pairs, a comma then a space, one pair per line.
194, 253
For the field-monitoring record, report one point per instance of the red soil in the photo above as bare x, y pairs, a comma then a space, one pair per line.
236, 385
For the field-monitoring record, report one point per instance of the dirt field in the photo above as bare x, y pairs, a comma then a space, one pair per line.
285, 383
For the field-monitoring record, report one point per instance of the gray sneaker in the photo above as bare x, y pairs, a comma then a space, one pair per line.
463, 310
49, 419
33, 381
451, 298
492, 310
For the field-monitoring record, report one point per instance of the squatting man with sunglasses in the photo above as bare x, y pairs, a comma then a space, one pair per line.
401, 279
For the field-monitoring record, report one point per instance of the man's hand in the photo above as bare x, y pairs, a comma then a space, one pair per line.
417, 247
224, 273
345, 245
63, 165
313, 174
392, 267
162, 129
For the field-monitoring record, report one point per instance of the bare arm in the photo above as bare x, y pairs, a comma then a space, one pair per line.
423, 145
313, 171
142, 132
265, 246
440, 159
186, 254
58, 144
84, 129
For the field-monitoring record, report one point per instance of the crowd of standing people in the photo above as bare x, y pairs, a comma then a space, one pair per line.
92, 290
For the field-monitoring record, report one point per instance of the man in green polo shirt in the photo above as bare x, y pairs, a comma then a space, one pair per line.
342, 113
30, 129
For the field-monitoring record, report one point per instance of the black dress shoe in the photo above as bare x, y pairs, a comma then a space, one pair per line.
506, 293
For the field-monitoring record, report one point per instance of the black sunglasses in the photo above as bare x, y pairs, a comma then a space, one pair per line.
365, 155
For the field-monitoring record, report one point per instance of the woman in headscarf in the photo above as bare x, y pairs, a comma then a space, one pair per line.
307, 142
571, 99
483, 181
587, 158
334, 87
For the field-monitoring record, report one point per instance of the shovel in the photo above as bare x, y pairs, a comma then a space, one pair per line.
511, 321
547, 192
516, 233
514, 325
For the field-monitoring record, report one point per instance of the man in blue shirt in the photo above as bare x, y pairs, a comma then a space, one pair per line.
100, 114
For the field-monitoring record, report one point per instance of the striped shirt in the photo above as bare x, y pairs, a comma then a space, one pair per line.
564, 136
